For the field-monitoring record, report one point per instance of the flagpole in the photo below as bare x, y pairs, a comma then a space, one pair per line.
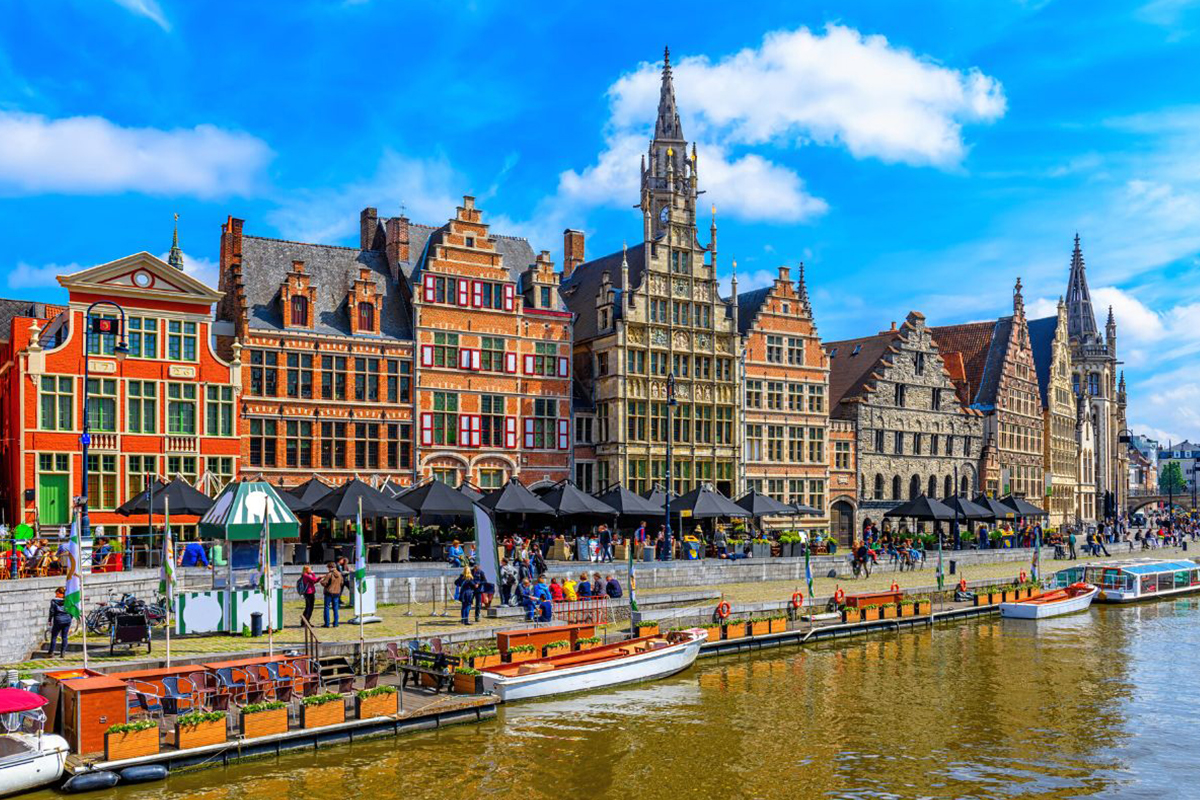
78, 537
359, 579
270, 582
168, 569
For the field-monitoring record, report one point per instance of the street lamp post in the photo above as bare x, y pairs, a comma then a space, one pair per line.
670, 467
101, 327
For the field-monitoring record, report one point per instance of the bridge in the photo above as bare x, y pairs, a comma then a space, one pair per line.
1185, 501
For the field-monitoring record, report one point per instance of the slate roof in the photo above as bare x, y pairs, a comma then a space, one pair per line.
973, 342
266, 263
993, 368
748, 305
1041, 341
849, 371
517, 252
579, 291
11, 309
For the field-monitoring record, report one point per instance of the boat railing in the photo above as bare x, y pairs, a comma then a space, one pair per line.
312, 644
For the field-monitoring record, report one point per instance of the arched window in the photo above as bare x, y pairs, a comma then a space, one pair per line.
964, 486
366, 317
932, 487
914, 487
948, 487
878, 486
300, 310
896, 487
1094, 384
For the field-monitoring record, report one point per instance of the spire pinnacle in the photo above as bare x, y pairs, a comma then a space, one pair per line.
667, 126
802, 290
175, 258
1081, 319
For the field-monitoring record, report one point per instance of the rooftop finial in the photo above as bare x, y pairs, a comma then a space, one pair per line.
802, 289
175, 257
666, 58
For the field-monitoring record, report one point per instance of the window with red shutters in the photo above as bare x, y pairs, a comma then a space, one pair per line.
429, 288
477, 294
529, 365
528, 434
300, 310
427, 429
464, 430
510, 362
510, 432
366, 317
427, 355
509, 297
464, 292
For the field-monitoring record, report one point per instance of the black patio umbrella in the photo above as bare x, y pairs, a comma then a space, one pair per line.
179, 495
294, 503
343, 503
1022, 507
705, 502
436, 499
471, 493
628, 504
309, 492
758, 504
966, 509
138, 503
997, 509
514, 498
658, 498
800, 508
568, 501
923, 508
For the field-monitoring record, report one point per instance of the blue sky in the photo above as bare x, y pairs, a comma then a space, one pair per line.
913, 155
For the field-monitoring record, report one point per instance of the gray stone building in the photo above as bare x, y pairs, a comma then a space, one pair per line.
914, 436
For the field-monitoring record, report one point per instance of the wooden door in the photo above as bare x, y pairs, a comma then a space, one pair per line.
54, 501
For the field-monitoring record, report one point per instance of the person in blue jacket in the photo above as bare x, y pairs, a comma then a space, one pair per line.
612, 588
543, 600
194, 555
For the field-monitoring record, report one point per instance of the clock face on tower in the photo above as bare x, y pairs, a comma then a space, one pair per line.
662, 215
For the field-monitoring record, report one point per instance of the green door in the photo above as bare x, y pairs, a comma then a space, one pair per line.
54, 504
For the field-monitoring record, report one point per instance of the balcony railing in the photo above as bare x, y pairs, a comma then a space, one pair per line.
182, 444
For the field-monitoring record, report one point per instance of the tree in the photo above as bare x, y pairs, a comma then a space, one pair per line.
1170, 479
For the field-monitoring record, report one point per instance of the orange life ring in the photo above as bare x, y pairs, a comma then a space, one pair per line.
723, 610
839, 596
797, 599
962, 585
1023, 576
895, 586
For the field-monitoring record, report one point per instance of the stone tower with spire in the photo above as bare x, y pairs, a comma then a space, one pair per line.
175, 257
655, 310
1094, 368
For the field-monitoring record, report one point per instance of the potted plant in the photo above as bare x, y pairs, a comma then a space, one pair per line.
321, 710
714, 632
264, 719
759, 626
871, 612
1035, 590
924, 606
556, 648
131, 740
484, 656
377, 702
647, 629
851, 614
778, 623
521, 652
199, 729
887, 611
761, 547
467, 681
588, 642
904, 608
733, 628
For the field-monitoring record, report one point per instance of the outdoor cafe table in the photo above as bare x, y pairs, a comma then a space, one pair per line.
154, 676
539, 637
242, 663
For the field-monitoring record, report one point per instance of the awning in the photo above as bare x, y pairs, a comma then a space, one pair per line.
239, 509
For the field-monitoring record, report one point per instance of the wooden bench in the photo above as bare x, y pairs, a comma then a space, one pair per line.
438, 666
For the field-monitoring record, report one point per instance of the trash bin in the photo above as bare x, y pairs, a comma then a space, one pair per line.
256, 625
692, 550
953, 566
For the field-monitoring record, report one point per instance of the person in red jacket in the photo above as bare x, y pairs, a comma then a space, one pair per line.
556, 590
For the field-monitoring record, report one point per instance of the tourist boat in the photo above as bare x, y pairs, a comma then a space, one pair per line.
1134, 579
1068, 600
29, 758
642, 659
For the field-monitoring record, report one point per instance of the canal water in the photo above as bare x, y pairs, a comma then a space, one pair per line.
1094, 705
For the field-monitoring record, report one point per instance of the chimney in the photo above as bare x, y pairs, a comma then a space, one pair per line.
572, 251
396, 245
298, 266
785, 274
368, 223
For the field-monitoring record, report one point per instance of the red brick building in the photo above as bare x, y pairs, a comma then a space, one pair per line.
168, 408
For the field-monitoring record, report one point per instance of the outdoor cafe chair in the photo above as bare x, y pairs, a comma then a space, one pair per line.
271, 681
238, 683
371, 681
143, 700
178, 693
395, 657
307, 675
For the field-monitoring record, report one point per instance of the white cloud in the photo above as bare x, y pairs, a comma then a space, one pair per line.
150, 9
202, 269
31, 276
91, 155
428, 190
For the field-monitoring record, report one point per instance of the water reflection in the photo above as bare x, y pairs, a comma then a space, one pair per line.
1085, 706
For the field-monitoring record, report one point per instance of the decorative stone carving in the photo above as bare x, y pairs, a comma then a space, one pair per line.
658, 389
704, 391
681, 340
724, 345
703, 292
703, 341
658, 284
637, 335
680, 287
658, 336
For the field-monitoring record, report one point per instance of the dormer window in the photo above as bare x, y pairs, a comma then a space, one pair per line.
300, 310
366, 317
470, 241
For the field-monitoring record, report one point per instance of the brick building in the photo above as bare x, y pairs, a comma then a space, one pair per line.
912, 434
1000, 381
167, 408
786, 384
1052, 357
843, 480
651, 315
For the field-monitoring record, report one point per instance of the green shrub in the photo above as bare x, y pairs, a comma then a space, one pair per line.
560, 644
321, 699
266, 705
590, 640
133, 727
193, 718
521, 648
466, 671
363, 694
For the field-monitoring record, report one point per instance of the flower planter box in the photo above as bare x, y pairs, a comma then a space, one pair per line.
734, 631
265, 723
319, 716
760, 628
996, 597
483, 662
778, 625
517, 658
761, 550
870, 614
851, 615
130, 744
201, 734
650, 629
547, 652
468, 684
581, 646
904, 610
1035, 593
888, 612
982, 599
377, 705
714, 633
924, 608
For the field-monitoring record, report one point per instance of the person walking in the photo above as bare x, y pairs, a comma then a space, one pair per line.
468, 593
1071, 543
508, 582
307, 587
60, 623
606, 544
332, 582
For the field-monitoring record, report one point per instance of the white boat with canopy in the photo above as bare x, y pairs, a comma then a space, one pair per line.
1134, 579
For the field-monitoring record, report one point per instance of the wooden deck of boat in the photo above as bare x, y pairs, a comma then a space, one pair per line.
422, 710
